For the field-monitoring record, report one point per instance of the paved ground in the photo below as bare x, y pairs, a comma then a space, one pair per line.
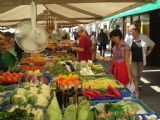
150, 96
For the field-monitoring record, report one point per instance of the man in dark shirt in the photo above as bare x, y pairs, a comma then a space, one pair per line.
103, 41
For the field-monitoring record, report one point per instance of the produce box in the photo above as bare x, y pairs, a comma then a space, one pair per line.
137, 101
148, 116
125, 93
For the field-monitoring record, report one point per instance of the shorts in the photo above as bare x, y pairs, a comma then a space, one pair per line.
137, 68
102, 47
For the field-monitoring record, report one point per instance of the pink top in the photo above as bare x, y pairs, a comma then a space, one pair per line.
119, 53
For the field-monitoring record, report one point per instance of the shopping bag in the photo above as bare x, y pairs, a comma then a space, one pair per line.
131, 87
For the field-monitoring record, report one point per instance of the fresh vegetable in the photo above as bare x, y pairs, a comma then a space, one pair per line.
114, 91
17, 114
53, 111
100, 108
10, 78
19, 100
70, 113
55, 70
83, 110
2, 88
67, 80
1, 100
132, 107
100, 83
93, 94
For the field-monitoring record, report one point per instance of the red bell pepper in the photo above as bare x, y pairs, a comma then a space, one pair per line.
88, 95
114, 91
108, 95
97, 93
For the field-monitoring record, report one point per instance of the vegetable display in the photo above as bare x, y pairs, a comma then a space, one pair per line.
10, 78
55, 70
100, 83
37, 96
17, 114
126, 110
60, 88
90, 69
94, 94
67, 80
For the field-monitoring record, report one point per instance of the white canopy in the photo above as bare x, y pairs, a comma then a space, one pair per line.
66, 11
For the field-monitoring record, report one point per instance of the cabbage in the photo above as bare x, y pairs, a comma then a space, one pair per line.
20, 91
46, 93
34, 90
32, 98
19, 100
53, 111
83, 110
12, 108
100, 107
38, 114
45, 87
41, 101
70, 113
26, 85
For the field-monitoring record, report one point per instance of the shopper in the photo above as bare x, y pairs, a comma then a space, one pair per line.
103, 41
85, 45
120, 67
7, 52
139, 44
137, 23
94, 45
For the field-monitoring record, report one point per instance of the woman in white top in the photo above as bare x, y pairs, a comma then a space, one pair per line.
139, 44
94, 45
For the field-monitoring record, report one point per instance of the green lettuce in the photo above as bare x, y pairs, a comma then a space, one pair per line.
70, 113
53, 111
83, 110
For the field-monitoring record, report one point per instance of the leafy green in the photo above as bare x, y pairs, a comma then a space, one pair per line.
100, 107
19, 100
18, 114
57, 69
117, 108
108, 107
2, 88
90, 115
83, 110
70, 113
53, 111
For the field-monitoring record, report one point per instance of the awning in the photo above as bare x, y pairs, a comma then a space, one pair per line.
67, 12
138, 10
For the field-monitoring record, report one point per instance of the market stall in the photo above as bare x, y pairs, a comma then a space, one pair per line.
44, 87
48, 83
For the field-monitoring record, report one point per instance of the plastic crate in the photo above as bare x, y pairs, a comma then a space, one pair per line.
125, 94
107, 98
144, 116
140, 102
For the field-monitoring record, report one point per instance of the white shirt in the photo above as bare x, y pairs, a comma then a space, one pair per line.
93, 40
145, 42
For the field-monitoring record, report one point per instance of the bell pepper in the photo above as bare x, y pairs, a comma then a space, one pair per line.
114, 91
